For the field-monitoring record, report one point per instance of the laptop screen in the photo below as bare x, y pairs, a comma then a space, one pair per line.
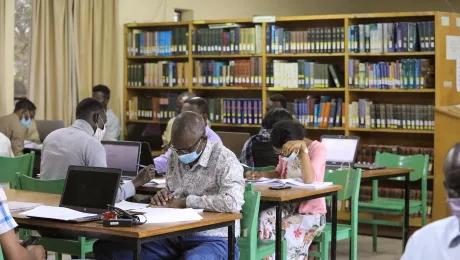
340, 149
123, 155
90, 189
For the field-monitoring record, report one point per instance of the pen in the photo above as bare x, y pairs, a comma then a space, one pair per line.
143, 166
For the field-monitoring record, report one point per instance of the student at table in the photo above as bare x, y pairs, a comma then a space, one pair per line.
258, 150
302, 158
440, 240
179, 103
14, 126
201, 174
197, 105
11, 247
113, 126
80, 144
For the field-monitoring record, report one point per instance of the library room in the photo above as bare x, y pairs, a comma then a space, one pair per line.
212, 129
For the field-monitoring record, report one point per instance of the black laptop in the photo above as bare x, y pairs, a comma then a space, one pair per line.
340, 150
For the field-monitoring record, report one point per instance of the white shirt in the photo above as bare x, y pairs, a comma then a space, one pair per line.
5, 146
113, 126
439, 240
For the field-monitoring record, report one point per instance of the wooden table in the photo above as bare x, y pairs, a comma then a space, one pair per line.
131, 236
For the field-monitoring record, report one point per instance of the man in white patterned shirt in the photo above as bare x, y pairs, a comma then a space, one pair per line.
11, 247
201, 174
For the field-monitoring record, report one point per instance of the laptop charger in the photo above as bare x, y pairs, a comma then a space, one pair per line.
117, 222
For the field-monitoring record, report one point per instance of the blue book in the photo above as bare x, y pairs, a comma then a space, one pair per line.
170, 76
338, 116
273, 29
417, 73
304, 111
141, 44
316, 115
307, 74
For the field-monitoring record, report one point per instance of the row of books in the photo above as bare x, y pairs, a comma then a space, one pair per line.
152, 107
228, 73
313, 40
391, 37
157, 43
400, 74
323, 111
235, 110
366, 153
365, 114
227, 41
303, 74
162, 73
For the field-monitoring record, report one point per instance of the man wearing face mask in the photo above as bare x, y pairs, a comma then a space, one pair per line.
102, 94
80, 144
14, 126
440, 240
201, 174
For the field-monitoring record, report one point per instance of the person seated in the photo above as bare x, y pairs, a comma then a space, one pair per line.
197, 105
80, 144
11, 247
299, 157
14, 126
276, 101
258, 151
201, 174
179, 103
102, 94
32, 132
440, 240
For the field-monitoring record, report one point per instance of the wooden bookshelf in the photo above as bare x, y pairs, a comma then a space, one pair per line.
438, 96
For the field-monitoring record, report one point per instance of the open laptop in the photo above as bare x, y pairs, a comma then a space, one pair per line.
90, 190
45, 127
234, 141
340, 150
123, 155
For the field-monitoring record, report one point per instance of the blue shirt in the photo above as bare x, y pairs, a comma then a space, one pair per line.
7, 222
439, 240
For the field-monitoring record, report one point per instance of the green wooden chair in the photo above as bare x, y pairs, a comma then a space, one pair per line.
23, 165
351, 183
252, 248
61, 246
258, 169
396, 206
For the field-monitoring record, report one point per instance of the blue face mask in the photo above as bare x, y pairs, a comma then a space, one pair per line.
25, 122
290, 158
190, 157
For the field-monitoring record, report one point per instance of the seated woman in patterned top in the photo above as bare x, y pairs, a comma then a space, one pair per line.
299, 157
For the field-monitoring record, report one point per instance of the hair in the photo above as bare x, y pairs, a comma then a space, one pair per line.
24, 104
279, 98
186, 94
189, 123
201, 104
286, 130
87, 106
102, 88
275, 115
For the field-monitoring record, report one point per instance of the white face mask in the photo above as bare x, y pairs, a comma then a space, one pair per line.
99, 134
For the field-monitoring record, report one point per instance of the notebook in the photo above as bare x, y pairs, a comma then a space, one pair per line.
294, 182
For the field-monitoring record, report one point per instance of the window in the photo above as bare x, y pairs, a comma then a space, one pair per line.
22, 27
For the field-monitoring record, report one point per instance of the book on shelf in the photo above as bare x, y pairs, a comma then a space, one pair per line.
391, 37
220, 41
159, 74
152, 107
246, 73
366, 153
303, 74
323, 111
157, 43
235, 111
400, 74
312, 40
365, 114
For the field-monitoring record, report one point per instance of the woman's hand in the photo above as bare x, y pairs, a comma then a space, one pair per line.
251, 175
294, 147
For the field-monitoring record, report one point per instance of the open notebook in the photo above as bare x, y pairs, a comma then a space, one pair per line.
294, 182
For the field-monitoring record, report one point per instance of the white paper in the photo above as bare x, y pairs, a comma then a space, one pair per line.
169, 215
458, 74
58, 213
452, 47
126, 205
158, 181
294, 182
32, 145
445, 20
20, 206
457, 22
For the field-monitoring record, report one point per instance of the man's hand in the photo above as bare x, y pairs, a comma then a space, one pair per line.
36, 252
254, 175
144, 176
161, 198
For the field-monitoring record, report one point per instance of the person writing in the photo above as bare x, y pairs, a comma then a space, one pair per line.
201, 174
440, 240
299, 157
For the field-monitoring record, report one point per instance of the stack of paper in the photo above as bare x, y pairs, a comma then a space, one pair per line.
32, 145
126, 205
57, 213
168, 215
294, 182
155, 182
20, 206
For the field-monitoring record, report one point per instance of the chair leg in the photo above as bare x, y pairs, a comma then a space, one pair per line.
353, 248
284, 250
374, 235
423, 218
324, 247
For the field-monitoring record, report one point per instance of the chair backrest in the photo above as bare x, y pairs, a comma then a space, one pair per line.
45, 186
250, 211
258, 169
417, 162
23, 165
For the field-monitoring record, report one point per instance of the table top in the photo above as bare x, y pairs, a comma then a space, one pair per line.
146, 230
292, 193
387, 172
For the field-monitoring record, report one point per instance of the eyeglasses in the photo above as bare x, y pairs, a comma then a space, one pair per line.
184, 150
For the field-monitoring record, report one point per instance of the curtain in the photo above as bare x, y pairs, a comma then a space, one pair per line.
73, 49
6, 57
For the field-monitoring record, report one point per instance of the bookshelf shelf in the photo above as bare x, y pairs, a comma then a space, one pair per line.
146, 121
225, 56
156, 88
398, 54
307, 89
401, 131
432, 90
156, 57
302, 55
325, 128
226, 88
234, 125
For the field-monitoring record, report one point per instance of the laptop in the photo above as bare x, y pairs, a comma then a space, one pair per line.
90, 190
123, 155
234, 141
45, 127
340, 150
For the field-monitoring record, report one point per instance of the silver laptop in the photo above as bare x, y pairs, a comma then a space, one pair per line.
123, 155
340, 150
234, 141
45, 127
